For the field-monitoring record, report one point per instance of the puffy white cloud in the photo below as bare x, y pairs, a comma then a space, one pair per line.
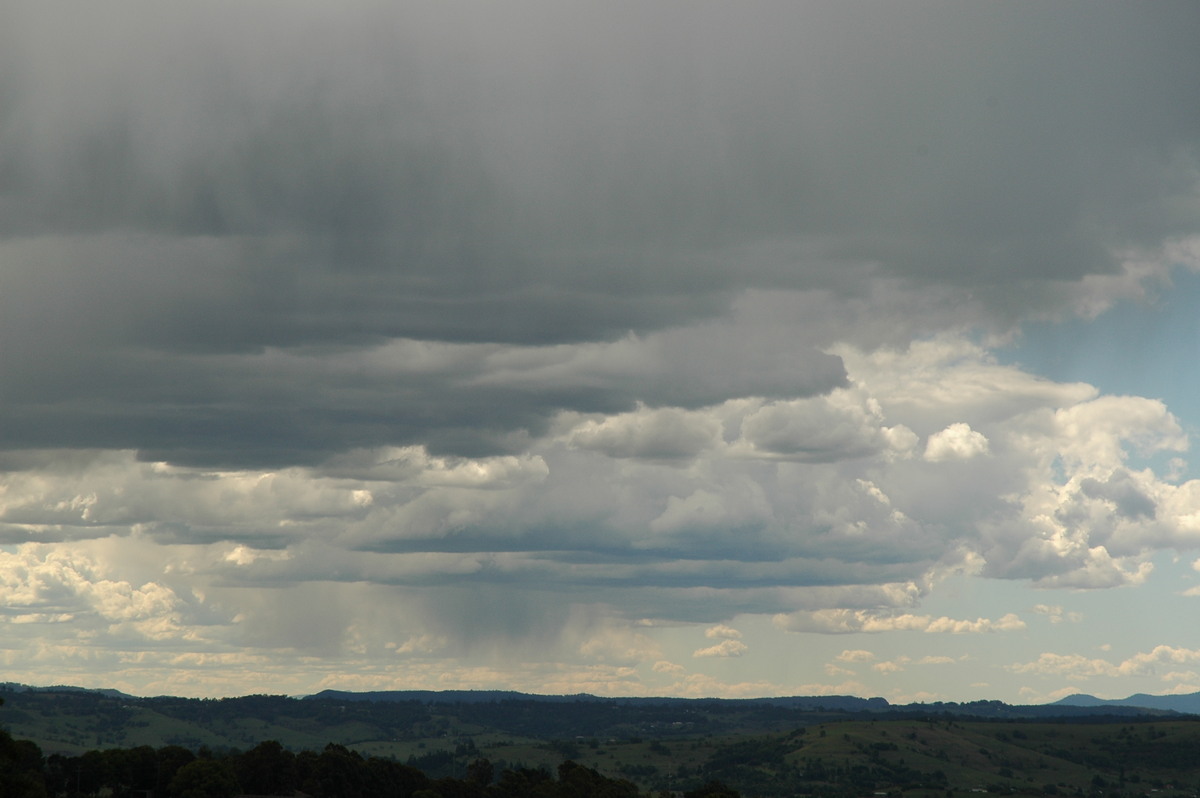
726, 648
1098, 434
1077, 666
722, 632
1184, 681
41, 584
956, 442
1063, 507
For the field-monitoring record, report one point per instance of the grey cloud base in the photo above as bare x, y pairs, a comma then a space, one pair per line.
539, 177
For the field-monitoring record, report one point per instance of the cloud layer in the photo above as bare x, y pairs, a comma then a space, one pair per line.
407, 340
446, 228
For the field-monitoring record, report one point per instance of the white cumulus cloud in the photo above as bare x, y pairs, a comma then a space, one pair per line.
956, 442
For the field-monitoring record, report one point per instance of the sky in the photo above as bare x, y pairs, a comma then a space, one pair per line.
629, 348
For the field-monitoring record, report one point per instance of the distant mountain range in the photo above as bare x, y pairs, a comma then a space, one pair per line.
835, 703
74, 719
1188, 703
1073, 706
16, 687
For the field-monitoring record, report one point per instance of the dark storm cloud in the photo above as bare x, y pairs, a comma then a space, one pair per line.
183, 185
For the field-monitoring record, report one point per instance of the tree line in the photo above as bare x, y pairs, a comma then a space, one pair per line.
269, 769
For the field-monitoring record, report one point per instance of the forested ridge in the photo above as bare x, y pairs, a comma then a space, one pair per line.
192, 748
72, 720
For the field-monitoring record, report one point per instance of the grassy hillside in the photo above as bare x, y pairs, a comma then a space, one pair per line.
921, 758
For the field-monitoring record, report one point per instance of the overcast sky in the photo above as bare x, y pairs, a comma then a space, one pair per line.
631, 348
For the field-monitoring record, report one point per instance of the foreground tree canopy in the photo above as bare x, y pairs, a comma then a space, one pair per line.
269, 769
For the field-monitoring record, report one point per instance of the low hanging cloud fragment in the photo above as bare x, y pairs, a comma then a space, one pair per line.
843, 424
726, 648
653, 434
838, 621
722, 632
1056, 614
